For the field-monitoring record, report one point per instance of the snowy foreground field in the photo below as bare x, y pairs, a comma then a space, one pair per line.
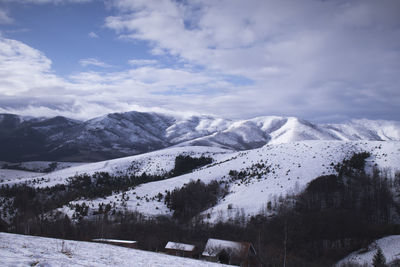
21, 250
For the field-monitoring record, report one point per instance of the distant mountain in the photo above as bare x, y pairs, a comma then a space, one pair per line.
124, 134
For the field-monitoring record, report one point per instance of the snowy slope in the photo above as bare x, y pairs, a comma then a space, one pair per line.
13, 176
366, 130
254, 133
39, 166
389, 245
271, 171
152, 163
21, 250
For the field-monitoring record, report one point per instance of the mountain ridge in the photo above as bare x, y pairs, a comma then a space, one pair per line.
124, 134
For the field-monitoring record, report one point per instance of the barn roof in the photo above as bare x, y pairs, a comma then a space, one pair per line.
115, 241
179, 246
215, 246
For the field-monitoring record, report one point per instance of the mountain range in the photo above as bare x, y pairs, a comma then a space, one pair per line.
123, 134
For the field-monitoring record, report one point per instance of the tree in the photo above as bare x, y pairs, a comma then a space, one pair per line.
379, 259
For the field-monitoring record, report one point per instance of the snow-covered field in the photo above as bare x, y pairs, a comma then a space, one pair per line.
21, 250
389, 245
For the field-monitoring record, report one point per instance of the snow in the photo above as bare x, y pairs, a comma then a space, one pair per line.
20, 250
13, 176
369, 130
180, 246
40, 166
389, 245
253, 133
152, 163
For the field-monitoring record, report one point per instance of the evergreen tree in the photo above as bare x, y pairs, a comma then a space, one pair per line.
379, 259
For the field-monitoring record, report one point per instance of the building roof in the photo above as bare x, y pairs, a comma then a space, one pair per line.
114, 241
215, 246
179, 246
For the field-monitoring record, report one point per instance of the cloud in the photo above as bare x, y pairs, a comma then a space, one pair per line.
29, 86
305, 58
23, 69
5, 18
39, 2
93, 35
142, 62
93, 62
314, 59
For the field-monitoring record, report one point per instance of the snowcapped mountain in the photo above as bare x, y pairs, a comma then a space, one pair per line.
366, 130
110, 136
131, 133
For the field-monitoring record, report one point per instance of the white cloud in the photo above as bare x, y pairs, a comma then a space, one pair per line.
142, 62
23, 68
5, 18
313, 59
93, 35
307, 58
28, 86
93, 62
38, 2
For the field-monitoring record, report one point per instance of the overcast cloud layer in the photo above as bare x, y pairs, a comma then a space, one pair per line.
319, 60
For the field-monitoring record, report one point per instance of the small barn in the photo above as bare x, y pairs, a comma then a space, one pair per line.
181, 249
117, 242
231, 252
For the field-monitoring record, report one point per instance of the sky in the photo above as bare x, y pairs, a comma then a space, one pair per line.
321, 60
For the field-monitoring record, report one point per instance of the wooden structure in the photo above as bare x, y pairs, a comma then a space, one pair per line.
181, 249
231, 252
117, 242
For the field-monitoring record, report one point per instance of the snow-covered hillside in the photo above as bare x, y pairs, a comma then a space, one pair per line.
267, 173
22, 250
13, 176
389, 245
153, 163
39, 166
271, 171
254, 133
